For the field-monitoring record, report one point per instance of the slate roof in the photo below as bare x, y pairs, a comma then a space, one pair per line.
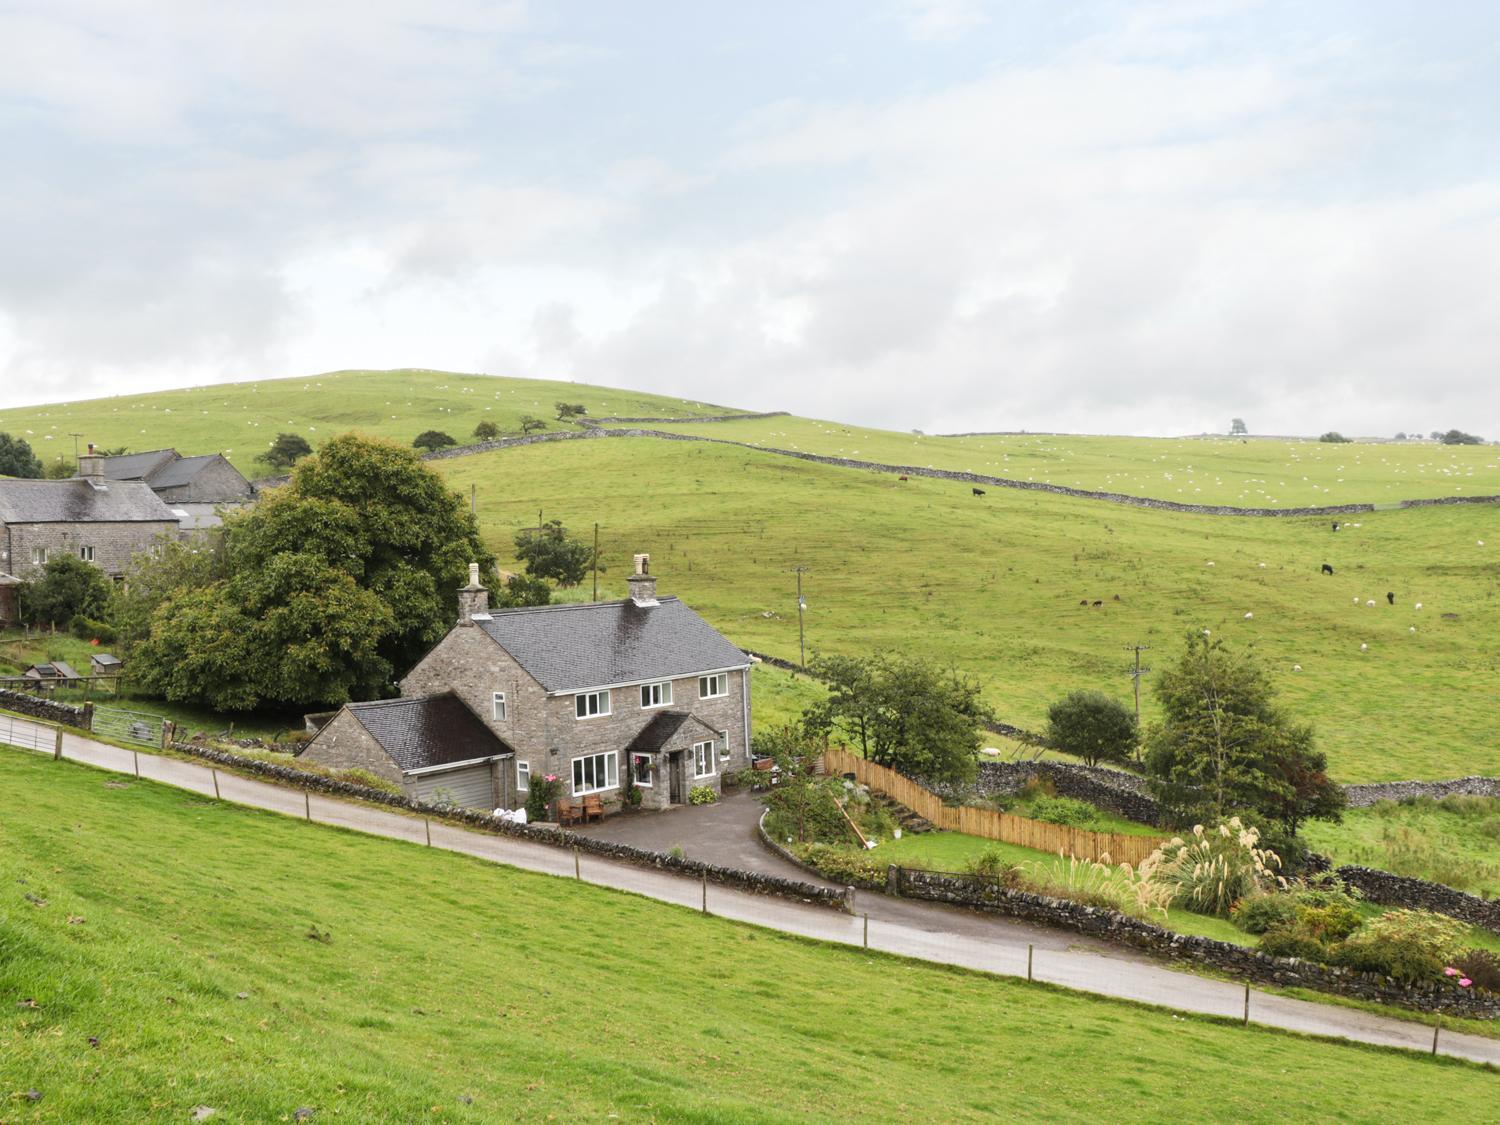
182, 470
135, 466
660, 731
78, 501
428, 730
573, 647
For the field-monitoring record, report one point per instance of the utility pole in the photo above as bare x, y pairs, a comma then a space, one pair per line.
596, 560
75, 438
1135, 673
801, 608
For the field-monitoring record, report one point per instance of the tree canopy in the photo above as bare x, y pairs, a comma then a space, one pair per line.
433, 440
530, 423
902, 712
567, 410
486, 431
1092, 726
326, 589
1458, 437
550, 552
286, 451
17, 459
67, 588
1223, 745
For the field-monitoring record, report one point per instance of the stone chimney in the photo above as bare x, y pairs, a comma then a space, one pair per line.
642, 584
91, 467
473, 599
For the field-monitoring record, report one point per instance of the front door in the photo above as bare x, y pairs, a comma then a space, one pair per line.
674, 773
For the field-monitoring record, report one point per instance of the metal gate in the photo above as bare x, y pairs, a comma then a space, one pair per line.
128, 726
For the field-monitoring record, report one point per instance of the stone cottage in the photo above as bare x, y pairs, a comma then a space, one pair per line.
90, 517
196, 488
640, 693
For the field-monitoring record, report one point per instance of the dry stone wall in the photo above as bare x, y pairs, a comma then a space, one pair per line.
25, 704
1362, 796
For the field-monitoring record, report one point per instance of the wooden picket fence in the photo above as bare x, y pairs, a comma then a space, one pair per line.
990, 823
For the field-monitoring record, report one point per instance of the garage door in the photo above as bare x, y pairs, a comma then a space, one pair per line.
470, 788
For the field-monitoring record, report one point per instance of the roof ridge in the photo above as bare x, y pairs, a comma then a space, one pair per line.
512, 611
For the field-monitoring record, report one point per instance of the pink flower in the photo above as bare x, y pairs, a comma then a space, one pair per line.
1464, 982
553, 777
1450, 971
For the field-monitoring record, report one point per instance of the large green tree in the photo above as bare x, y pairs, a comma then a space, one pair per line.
286, 451
1092, 726
17, 458
1224, 746
902, 712
67, 588
328, 588
550, 552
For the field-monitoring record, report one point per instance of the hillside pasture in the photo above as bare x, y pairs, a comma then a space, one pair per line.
994, 585
241, 419
1249, 473
162, 954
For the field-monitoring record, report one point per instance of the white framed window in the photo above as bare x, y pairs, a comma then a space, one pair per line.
657, 695
39, 556
640, 769
723, 746
523, 776
595, 773
711, 687
497, 706
591, 704
86, 554
703, 759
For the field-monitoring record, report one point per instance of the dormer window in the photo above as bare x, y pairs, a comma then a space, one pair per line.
657, 695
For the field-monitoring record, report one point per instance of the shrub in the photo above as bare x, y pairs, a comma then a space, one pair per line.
1036, 786
486, 431
1331, 923
1436, 934
1291, 943
1215, 868
1064, 810
841, 864
877, 821
1401, 959
544, 790
1327, 889
992, 864
1482, 967
1260, 914
702, 795
91, 629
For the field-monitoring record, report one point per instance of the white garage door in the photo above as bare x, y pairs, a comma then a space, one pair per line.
470, 788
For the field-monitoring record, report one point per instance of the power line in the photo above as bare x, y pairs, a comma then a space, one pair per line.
1135, 672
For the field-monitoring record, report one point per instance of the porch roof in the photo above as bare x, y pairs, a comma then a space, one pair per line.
661, 730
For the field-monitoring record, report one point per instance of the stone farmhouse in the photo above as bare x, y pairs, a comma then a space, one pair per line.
90, 517
639, 693
194, 487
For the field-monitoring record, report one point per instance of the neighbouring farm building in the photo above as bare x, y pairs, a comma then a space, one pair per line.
638, 693
195, 488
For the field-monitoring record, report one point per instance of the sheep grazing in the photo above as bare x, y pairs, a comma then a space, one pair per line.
1419, 605
1479, 542
1371, 602
1356, 599
1296, 667
1084, 602
1411, 628
1261, 565
1208, 564
1327, 569
1098, 604
1248, 616
1364, 648
900, 478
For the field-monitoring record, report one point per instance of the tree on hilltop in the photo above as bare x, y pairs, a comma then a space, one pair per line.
1237, 426
286, 451
433, 440
1458, 437
567, 411
486, 431
529, 423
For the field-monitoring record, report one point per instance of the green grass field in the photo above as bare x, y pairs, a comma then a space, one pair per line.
1456, 841
241, 419
994, 585
171, 967
1257, 473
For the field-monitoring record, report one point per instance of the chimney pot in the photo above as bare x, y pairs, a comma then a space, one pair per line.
473, 598
642, 584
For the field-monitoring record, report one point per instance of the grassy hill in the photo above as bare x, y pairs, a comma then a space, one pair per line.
1255, 473
241, 419
165, 962
994, 584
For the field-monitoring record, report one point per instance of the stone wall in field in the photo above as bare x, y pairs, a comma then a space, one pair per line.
23, 703
1123, 794
1362, 796
1247, 964
722, 876
1418, 894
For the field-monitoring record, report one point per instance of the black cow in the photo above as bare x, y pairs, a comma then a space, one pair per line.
977, 491
1327, 569
1335, 525
1097, 604
1390, 596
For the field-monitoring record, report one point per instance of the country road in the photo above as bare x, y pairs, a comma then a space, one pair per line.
924, 931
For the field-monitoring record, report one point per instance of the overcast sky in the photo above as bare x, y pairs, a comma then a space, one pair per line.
935, 214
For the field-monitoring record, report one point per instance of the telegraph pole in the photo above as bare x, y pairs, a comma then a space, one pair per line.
75, 438
1135, 673
596, 560
801, 608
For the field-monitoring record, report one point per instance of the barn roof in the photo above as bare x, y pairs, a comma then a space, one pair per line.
79, 501
182, 470
428, 730
575, 647
135, 466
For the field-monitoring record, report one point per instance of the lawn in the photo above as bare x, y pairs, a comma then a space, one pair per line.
242, 419
196, 954
1258, 473
994, 585
1454, 841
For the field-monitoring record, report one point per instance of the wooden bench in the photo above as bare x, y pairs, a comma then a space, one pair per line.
568, 812
593, 808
